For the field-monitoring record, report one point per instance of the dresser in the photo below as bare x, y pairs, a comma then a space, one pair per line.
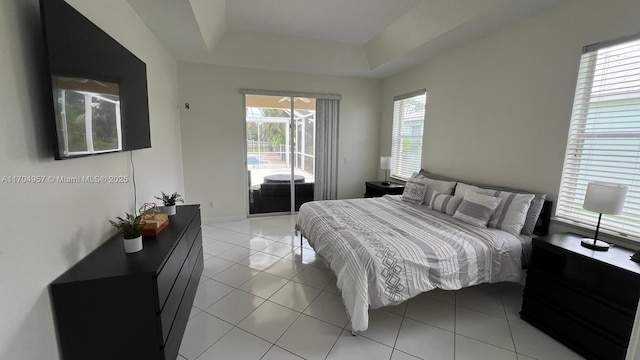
114, 305
583, 298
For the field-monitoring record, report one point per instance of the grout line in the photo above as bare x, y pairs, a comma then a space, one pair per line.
287, 329
404, 313
345, 327
215, 342
271, 347
395, 342
504, 308
486, 343
455, 322
281, 348
334, 345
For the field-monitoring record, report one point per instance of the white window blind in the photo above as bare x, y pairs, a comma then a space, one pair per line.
604, 135
408, 126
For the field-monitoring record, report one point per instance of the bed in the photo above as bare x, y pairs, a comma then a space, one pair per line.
386, 250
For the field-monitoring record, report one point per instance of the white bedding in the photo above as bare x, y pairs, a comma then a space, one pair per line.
385, 251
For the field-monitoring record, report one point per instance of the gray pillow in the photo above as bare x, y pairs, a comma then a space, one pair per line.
534, 209
533, 214
476, 209
444, 203
444, 187
463, 188
425, 173
512, 211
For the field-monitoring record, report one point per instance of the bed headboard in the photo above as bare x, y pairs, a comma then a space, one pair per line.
542, 226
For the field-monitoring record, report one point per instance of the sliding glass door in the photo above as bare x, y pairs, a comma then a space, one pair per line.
280, 148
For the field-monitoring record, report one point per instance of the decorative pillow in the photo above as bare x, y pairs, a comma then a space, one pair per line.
512, 211
463, 188
447, 204
444, 187
533, 214
534, 210
476, 209
414, 192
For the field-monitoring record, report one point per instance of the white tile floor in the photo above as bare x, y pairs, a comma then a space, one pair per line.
262, 297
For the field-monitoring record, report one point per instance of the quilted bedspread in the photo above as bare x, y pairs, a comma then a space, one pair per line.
385, 251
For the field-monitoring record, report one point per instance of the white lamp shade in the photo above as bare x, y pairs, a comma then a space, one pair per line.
385, 162
605, 198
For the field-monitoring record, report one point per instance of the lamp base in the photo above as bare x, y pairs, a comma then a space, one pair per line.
597, 246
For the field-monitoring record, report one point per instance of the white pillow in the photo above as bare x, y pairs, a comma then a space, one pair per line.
414, 192
511, 214
447, 204
476, 209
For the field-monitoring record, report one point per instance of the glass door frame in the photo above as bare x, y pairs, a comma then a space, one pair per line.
291, 149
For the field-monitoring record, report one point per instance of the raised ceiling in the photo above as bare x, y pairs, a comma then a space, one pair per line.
364, 38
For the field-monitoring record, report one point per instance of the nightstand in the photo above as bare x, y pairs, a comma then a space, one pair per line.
583, 298
377, 189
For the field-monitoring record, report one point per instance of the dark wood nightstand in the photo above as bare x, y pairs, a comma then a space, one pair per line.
583, 298
377, 189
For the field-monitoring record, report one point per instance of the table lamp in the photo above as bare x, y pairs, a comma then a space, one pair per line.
385, 164
603, 198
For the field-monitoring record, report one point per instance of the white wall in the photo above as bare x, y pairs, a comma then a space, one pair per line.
213, 139
46, 228
498, 109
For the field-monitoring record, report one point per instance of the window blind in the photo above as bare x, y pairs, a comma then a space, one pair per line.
408, 127
604, 135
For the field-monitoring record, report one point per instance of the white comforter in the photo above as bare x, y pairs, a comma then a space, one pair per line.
385, 251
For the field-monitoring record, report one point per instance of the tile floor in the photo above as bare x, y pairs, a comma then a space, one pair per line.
263, 297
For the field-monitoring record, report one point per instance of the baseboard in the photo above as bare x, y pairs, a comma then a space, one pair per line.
223, 218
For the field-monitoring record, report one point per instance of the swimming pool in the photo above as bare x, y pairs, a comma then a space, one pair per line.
252, 160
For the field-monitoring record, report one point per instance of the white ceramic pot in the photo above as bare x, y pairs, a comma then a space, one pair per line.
170, 210
132, 245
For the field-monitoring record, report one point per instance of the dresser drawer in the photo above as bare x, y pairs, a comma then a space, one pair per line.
195, 251
192, 230
169, 272
172, 345
601, 315
570, 331
170, 308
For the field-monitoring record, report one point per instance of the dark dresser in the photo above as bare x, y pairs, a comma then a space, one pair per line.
114, 305
583, 298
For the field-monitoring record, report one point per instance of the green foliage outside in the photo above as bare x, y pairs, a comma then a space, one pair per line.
76, 131
272, 132
104, 130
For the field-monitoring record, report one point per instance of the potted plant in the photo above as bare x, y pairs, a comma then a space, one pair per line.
131, 230
170, 202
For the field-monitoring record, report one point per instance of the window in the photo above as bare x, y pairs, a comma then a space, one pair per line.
408, 126
88, 116
604, 135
